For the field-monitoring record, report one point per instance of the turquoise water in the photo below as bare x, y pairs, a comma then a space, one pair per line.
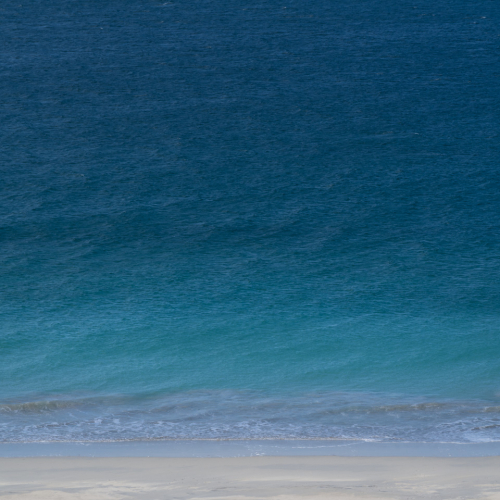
248, 221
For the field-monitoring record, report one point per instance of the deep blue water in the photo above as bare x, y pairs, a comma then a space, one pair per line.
273, 219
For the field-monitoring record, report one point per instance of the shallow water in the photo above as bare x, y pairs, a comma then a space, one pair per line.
244, 221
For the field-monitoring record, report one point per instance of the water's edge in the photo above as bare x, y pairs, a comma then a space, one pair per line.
237, 448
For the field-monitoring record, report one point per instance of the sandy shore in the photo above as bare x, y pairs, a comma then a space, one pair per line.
280, 478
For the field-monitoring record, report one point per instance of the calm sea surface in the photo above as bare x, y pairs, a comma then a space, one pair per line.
246, 220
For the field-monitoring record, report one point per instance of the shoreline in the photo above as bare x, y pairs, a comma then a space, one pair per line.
279, 478
248, 448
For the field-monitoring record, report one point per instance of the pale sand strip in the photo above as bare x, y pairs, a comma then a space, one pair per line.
280, 478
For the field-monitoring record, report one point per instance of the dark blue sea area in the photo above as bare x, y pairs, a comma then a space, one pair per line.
250, 220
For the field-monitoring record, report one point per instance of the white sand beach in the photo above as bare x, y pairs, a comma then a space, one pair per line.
278, 478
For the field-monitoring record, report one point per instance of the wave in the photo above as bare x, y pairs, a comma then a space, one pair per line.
38, 406
249, 415
56, 405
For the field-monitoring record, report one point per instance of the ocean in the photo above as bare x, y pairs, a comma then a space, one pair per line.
250, 220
